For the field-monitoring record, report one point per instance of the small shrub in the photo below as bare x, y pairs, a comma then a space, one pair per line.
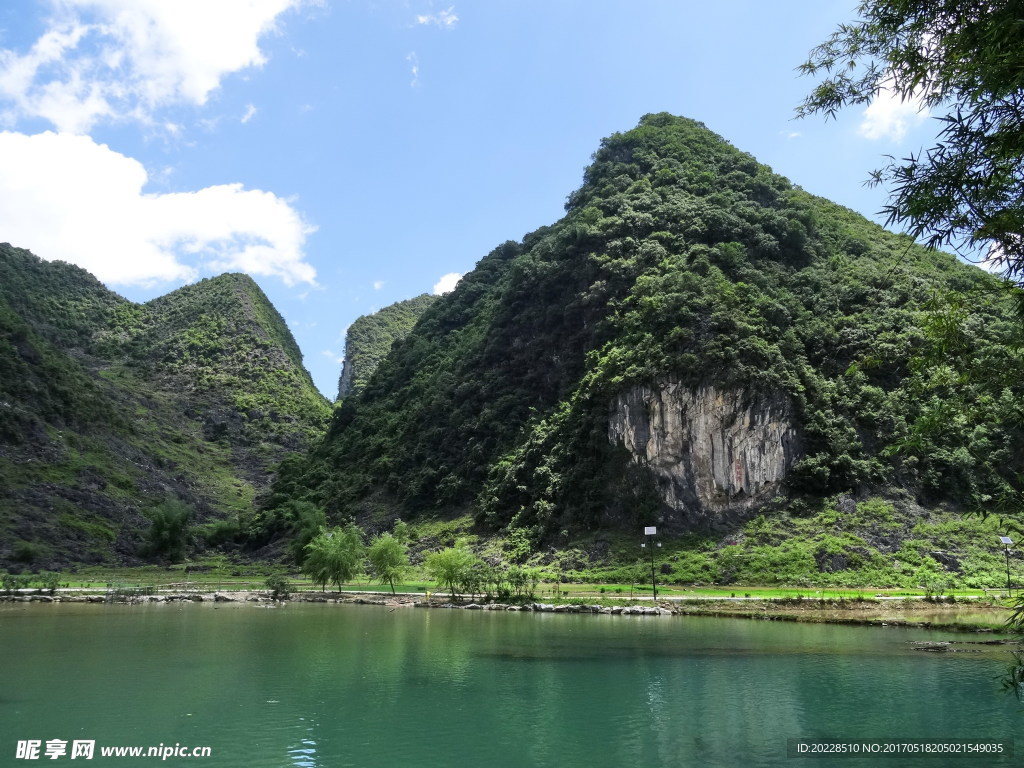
222, 532
49, 582
401, 532
12, 583
280, 588
519, 545
27, 552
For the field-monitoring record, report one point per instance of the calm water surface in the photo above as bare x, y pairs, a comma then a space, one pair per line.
337, 685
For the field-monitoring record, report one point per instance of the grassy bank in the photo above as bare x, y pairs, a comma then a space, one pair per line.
973, 610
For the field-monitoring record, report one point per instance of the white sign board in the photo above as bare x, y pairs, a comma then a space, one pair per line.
650, 531
1006, 540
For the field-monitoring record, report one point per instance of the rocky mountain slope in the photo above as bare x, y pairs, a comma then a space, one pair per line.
109, 408
369, 339
695, 342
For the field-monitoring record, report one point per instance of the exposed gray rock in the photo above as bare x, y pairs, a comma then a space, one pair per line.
846, 505
715, 454
949, 561
347, 379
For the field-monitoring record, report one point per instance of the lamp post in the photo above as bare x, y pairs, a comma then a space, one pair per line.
649, 531
1007, 542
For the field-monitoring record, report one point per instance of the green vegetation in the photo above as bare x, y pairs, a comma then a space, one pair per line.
168, 533
842, 550
109, 407
482, 438
388, 559
458, 569
369, 339
453, 568
305, 521
964, 58
682, 259
280, 588
335, 555
49, 582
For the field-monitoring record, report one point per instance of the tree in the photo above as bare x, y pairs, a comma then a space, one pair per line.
307, 520
523, 581
280, 588
335, 555
401, 532
169, 529
388, 559
966, 58
451, 567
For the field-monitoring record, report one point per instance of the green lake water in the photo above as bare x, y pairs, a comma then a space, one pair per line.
337, 685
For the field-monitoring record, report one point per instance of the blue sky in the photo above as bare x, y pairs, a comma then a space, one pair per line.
350, 153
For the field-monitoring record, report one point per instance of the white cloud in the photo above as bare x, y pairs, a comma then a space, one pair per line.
101, 59
888, 116
993, 260
378, 284
333, 356
250, 111
445, 19
414, 68
66, 197
447, 283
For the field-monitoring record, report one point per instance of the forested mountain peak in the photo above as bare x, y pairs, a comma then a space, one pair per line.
369, 339
695, 339
109, 408
695, 343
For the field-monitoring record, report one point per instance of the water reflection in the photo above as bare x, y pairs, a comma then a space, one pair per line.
327, 685
304, 755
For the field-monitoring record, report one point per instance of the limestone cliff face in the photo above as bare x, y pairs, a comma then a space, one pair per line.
715, 454
346, 382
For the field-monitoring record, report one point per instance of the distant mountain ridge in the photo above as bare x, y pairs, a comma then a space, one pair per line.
370, 337
109, 407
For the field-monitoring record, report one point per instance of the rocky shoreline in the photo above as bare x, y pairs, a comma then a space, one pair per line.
916, 614
326, 597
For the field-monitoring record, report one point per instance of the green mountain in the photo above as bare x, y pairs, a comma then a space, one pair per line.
109, 409
369, 339
696, 342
